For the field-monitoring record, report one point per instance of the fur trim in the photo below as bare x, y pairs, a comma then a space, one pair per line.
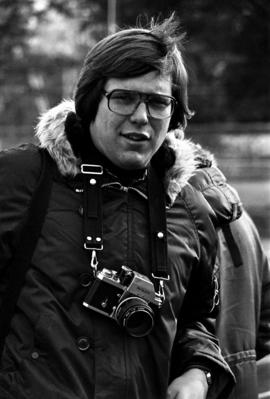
51, 134
185, 163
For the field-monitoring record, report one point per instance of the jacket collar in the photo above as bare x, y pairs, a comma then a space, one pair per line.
50, 132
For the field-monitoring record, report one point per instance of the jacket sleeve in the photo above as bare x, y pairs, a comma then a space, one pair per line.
243, 323
257, 262
245, 288
19, 172
195, 344
263, 337
196, 340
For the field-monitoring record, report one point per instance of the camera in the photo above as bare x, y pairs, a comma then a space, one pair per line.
127, 297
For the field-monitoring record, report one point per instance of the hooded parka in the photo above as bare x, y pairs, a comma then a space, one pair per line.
243, 321
59, 349
243, 324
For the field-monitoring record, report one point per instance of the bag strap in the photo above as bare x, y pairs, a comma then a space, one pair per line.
29, 235
232, 245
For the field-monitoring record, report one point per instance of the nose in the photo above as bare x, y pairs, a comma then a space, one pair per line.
140, 115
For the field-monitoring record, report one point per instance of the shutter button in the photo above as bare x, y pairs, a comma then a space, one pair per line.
83, 344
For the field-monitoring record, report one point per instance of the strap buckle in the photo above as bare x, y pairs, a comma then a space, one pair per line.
93, 243
91, 169
165, 277
160, 293
96, 247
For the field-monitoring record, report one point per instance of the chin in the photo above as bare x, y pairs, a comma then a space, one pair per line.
133, 164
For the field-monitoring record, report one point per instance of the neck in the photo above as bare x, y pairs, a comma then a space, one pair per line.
124, 175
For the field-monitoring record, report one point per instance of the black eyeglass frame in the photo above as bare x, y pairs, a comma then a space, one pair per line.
143, 97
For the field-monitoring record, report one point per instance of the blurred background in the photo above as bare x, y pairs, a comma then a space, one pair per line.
43, 43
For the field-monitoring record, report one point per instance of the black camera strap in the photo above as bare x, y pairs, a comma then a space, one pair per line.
92, 210
158, 226
92, 202
92, 215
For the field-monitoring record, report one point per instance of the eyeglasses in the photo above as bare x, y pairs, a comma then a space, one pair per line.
125, 102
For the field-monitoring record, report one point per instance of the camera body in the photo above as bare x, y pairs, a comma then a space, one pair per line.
127, 297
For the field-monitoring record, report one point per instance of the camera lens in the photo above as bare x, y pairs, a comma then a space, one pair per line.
136, 316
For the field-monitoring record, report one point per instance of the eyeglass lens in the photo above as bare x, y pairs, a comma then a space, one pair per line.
125, 102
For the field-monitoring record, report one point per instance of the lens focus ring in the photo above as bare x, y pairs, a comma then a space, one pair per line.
135, 315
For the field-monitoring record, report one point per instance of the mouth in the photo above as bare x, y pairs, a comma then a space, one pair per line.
136, 136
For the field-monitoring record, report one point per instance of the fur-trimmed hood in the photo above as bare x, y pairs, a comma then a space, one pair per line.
51, 134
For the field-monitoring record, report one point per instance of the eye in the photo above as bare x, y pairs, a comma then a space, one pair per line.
123, 97
159, 102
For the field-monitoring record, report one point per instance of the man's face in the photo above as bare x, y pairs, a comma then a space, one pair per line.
131, 141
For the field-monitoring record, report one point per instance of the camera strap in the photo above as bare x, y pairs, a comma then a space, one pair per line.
92, 210
92, 230
158, 226
28, 239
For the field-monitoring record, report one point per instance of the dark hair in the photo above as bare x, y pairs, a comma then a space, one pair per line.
134, 52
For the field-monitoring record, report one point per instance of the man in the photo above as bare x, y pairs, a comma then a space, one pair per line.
243, 322
117, 298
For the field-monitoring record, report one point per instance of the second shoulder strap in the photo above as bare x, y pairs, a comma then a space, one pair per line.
20, 262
